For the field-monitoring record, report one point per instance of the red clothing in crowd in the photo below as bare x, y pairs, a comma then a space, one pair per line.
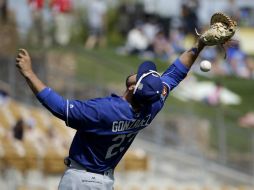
37, 4
61, 5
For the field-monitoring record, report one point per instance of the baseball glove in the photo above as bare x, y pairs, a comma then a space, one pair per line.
222, 28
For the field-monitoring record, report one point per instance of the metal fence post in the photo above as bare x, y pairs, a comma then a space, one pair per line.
252, 153
11, 77
159, 131
221, 135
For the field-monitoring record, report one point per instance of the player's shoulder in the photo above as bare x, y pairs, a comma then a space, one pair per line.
113, 99
108, 102
114, 107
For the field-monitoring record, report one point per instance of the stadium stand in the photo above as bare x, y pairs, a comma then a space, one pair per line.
14, 155
5, 123
7, 118
53, 162
14, 108
136, 160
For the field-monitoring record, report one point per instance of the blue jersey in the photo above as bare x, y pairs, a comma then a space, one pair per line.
107, 126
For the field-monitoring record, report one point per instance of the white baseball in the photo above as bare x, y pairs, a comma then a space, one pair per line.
205, 66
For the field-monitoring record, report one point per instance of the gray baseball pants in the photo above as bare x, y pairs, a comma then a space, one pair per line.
75, 178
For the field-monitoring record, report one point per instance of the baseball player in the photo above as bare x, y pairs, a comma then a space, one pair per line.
106, 127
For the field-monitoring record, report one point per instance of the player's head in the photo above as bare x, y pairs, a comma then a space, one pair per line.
146, 86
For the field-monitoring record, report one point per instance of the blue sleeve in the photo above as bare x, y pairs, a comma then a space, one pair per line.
83, 115
55, 103
75, 113
174, 74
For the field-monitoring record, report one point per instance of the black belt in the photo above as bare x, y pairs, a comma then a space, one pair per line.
73, 164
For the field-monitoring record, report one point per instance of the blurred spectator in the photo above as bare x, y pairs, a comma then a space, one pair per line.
36, 7
4, 93
192, 4
237, 62
176, 39
150, 29
129, 12
3, 96
137, 42
233, 10
54, 140
33, 136
189, 20
124, 20
214, 99
18, 130
62, 17
97, 24
8, 31
165, 25
22, 17
161, 46
4, 10
247, 120
250, 65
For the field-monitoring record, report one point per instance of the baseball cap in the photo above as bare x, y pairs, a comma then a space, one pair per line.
149, 85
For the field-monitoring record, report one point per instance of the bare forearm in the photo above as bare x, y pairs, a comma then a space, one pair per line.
34, 83
51, 100
188, 57
24, 64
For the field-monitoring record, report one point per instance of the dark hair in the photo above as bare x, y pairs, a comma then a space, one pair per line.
127, 82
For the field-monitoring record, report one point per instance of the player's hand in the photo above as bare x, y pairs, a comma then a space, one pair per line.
23, 62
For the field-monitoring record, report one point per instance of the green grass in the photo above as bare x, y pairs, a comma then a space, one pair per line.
104, 66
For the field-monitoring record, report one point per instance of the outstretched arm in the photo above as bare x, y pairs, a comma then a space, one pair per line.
73, 112
189, 56
180, 67
51, 100
23, 62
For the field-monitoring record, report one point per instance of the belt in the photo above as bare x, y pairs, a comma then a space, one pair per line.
73, 164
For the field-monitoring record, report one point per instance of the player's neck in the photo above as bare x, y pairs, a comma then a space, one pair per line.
129, 98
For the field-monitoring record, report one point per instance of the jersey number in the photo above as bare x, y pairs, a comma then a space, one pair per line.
116, 148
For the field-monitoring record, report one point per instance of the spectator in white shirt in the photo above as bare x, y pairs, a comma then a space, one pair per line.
96, 20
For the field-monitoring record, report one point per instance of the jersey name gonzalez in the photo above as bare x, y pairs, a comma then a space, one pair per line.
124, 125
